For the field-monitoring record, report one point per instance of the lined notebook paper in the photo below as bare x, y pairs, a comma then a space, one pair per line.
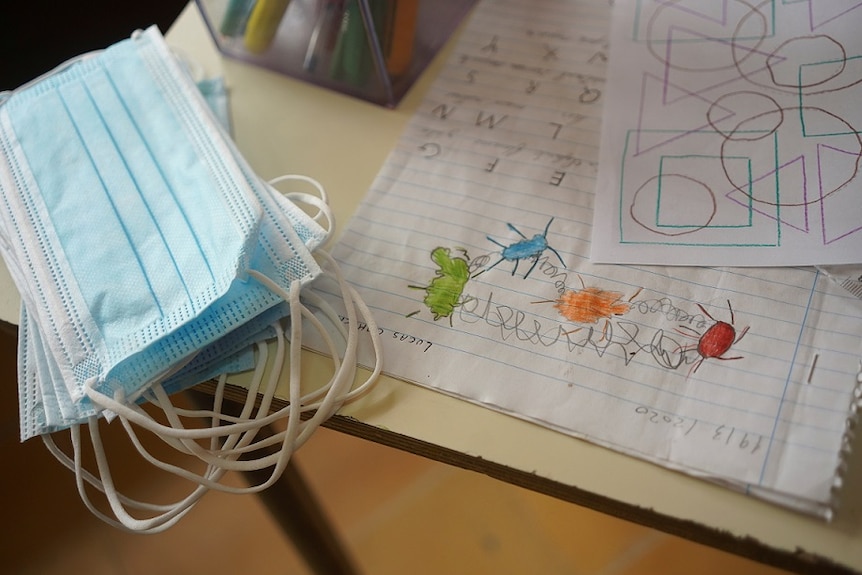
472, 247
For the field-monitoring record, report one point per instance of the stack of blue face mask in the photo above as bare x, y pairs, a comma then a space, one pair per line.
149, 257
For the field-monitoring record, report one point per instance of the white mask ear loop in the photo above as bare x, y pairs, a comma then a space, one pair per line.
334, 399
291, 439
344, 376
154, 524
300, 178
305, 399
190, 447
279, 460
170, 513
320, 202
214, 474
347, 370
215, 456
85, 475
305, 406
337, 394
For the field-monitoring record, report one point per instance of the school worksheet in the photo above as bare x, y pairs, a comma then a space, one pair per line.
472, 249
734, 137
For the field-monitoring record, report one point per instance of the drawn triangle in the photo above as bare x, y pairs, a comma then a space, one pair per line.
666, 112
792, 192
841, 209
712, 11
822, 12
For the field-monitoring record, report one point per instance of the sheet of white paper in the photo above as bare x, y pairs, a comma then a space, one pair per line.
732, 134
472, 250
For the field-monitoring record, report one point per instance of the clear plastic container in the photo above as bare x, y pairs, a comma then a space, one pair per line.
371, 49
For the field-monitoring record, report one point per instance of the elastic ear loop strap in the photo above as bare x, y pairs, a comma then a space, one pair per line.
174, 511
170, 517
212, 477
309, 428
322, 197
216, 457
170, 514
324, 410
345, 374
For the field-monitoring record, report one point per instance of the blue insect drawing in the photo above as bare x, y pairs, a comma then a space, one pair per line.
526, 248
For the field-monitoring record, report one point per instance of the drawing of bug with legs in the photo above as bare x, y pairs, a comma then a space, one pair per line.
443, 293
526, 248
591, 304
715, 341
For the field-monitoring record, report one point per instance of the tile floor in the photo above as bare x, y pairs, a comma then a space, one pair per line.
397, 514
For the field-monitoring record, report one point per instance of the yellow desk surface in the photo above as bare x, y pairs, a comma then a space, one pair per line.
285, 126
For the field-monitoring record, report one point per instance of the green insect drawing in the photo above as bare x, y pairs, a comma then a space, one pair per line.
443, 294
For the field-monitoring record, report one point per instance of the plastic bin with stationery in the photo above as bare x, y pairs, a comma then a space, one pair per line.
371, 49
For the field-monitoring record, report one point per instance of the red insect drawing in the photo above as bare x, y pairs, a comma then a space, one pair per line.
715, 341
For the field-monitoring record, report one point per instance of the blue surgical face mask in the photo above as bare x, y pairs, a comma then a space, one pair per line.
214, 92
150, 257
131, 222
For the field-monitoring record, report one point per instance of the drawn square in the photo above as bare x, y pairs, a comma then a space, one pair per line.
658, 169
821, 112
682, 203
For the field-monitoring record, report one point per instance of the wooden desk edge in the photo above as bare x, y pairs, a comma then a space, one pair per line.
799, 561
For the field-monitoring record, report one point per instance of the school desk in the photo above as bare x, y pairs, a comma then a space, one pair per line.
285, 126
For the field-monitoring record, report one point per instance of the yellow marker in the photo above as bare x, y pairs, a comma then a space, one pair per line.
401, 35
263, 24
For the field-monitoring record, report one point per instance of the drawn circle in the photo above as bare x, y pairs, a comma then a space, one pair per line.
633, 208
747, 100
794, 88
798, 109
806, 46
734, 62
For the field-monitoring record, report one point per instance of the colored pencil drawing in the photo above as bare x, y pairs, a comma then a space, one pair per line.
715, 342
524, 249
588, 305
443, 292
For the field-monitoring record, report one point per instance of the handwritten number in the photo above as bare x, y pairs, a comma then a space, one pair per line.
693, 423
757, 445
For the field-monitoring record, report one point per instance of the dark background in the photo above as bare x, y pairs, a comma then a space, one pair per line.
37, 35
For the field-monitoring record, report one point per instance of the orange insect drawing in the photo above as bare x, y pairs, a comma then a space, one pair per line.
591, 304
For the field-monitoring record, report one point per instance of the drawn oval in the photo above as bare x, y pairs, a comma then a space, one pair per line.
641, 207
848, 131
739, 43
824, 56
760, 110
